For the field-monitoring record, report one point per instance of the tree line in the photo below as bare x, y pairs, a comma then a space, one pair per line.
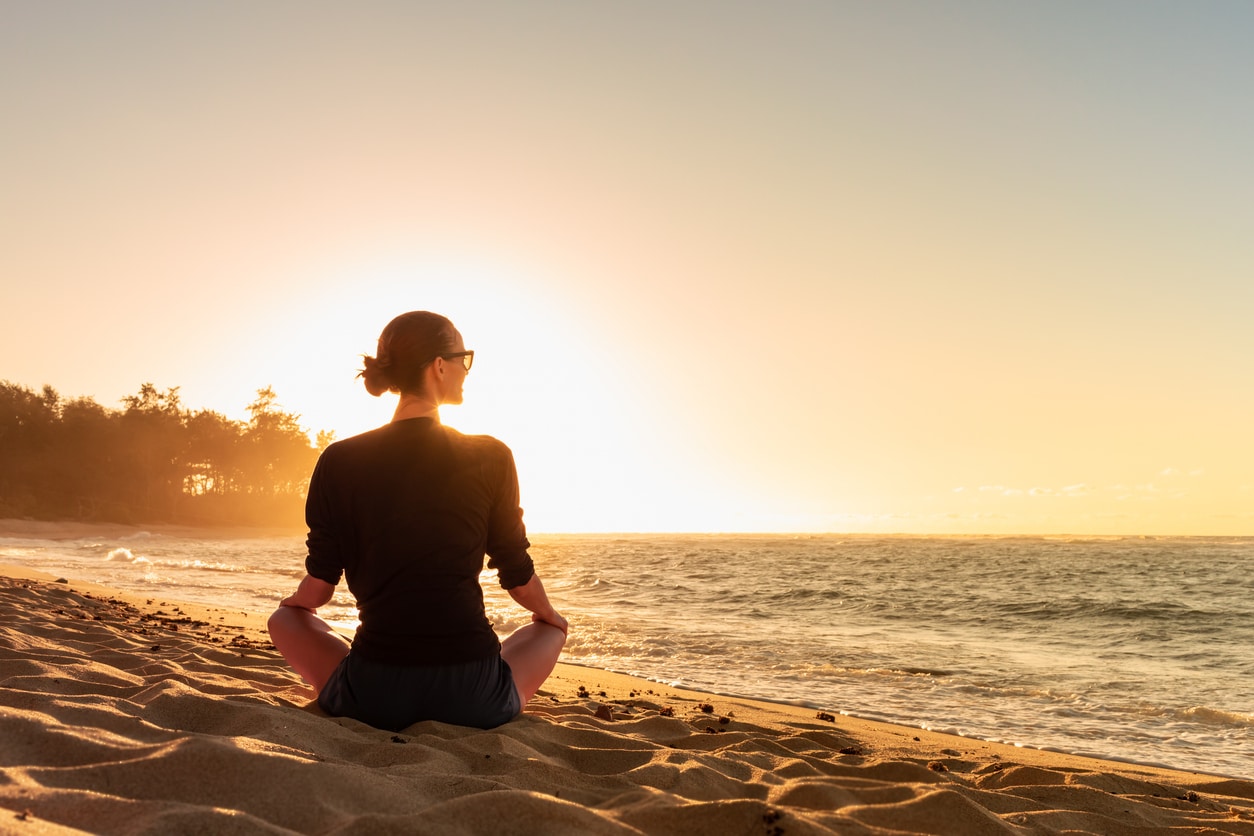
152, 460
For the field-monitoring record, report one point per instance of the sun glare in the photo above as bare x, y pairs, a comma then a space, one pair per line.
542, 383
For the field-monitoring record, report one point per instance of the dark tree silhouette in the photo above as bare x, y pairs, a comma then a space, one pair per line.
152, 447
151, 461
277, 449
28, 423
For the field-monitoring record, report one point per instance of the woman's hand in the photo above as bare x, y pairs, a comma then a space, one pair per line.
294, 602
532, 596
552, 618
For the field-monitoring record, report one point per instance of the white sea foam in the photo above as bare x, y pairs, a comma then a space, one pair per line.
126, 556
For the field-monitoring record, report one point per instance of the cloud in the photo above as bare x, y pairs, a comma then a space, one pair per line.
1176, 471
1145, 492
1079, 489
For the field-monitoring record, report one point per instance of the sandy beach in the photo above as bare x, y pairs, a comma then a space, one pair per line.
124, 714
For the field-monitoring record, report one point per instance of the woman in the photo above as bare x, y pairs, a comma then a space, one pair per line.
406, 513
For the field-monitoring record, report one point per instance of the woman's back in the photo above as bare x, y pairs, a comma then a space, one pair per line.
407, 512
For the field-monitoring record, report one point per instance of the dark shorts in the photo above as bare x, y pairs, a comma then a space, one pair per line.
393, 697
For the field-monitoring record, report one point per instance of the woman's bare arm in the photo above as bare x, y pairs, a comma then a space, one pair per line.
311, 594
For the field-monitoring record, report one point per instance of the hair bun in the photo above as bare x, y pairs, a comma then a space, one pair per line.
375, 376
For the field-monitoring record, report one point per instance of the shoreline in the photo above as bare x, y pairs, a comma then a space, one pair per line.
102, 691
810, 706
78, 530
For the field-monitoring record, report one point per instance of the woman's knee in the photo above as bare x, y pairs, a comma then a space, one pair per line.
292, 625
560, 637
532, 651
281, 623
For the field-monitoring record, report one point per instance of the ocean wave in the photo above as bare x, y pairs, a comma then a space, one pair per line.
6, 542
141, 535
204, 565
19, 549
1201, 715
122, 555
1080, 609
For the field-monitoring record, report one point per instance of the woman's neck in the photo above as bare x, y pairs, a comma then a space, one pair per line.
416, 406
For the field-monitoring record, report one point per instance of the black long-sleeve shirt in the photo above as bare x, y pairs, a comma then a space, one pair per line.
406, 513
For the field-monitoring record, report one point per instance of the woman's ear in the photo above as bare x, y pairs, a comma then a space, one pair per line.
435, 375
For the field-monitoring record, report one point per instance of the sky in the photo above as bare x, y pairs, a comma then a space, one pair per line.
918, 267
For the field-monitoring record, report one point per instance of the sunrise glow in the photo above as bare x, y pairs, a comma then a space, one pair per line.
942, 268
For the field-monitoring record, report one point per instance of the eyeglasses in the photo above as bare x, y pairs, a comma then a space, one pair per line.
468, 358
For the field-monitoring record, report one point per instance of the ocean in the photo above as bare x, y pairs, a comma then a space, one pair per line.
1130, 649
